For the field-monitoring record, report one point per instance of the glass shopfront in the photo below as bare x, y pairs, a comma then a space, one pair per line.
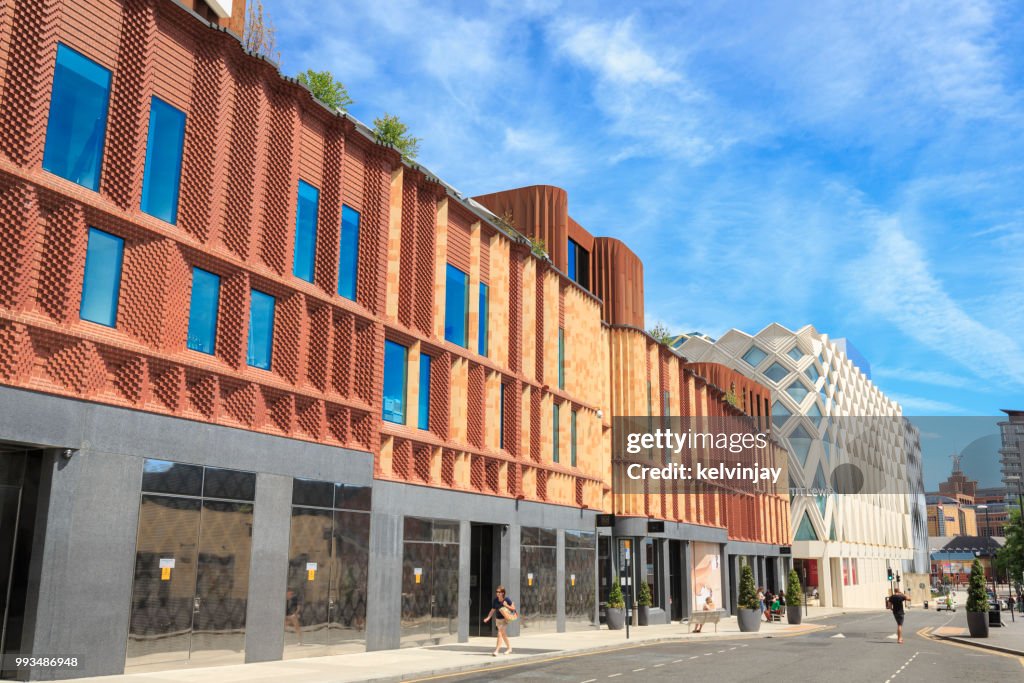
192, 558
430, 582
328, 559
538, 577
580, 571
19, 486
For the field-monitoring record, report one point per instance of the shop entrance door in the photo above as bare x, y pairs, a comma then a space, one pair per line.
430, 582
481, 578
19, 486
192, 557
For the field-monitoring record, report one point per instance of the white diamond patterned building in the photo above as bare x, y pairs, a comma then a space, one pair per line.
848, 538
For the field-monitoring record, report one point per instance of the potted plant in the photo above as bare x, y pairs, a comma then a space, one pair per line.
643, 603
977, 603
615, 612
748, 611
794, 598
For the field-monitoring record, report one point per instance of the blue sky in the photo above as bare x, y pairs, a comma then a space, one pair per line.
856, 166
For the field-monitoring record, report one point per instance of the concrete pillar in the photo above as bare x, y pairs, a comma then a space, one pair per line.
666, 579
511, 558
384, 585
686, 550
268, 573
465, 547
825, 582
560, 580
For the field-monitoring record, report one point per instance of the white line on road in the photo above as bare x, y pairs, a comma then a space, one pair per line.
708, 654
732, 648
657, 665
676, 661
613, 675
643, 668
693, 657
589, 680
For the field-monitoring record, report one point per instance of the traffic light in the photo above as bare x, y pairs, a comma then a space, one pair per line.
889, 569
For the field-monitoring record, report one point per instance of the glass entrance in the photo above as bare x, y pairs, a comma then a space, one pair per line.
192, 557
19, 486
325, 611
483, 561
430, 582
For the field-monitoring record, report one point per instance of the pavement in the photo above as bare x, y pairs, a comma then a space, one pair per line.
1008, 638
475, 655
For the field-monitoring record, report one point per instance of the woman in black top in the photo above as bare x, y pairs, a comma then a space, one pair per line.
499, 618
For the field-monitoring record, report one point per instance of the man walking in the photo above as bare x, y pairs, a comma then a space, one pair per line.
896, 603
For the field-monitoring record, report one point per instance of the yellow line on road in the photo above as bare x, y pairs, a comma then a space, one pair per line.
975, 648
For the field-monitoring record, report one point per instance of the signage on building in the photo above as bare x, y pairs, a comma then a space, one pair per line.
605, 520
785, 550
655, 527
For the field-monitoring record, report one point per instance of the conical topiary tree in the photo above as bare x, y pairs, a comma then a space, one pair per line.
794, 594
643, 595
748, 592
615, 599
977, 598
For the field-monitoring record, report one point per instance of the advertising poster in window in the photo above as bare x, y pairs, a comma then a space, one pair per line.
707, 574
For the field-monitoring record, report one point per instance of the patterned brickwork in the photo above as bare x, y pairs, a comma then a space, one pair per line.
26, 88
236, 218
121, 179
18, 229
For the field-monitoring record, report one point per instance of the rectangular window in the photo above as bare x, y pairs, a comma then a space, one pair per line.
202, 314
572, 438
261, 329
348, 261
482, 331
424, 404
456, 305
578, 264
101, 285
554, 432
164, 148
394, 382
561, 358
77, 122
305, 231
501, 417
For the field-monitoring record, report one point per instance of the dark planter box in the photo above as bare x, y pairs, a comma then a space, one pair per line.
977, 624
749, 620
794, 614
643, 616
615, 618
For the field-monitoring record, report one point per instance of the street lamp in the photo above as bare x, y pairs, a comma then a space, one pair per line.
992, 564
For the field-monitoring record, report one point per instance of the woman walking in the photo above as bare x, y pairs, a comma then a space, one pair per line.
503, 610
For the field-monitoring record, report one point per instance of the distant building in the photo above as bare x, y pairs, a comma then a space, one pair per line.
960, 507
916, 501
1012, 453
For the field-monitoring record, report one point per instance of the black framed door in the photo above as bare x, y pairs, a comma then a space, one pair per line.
482, 562
20, 474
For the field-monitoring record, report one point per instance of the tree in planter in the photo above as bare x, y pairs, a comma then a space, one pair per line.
643, 596
615, 599
748, 591
794, 594
977, 598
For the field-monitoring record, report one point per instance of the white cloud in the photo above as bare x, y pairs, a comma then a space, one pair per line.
894, 280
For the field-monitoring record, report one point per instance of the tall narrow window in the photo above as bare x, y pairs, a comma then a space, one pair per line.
261, 329
501, 417
348, 261
164, 148
305, 231
101, 286
482, 326
456, 305
561, 358
555, 409
578, 264
572, 438
77, 122
572, 261
394, 382
202, 314
424, 398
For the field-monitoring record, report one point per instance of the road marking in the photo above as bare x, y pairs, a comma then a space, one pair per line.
676, 661
721, 651
589, 680
732, 648
693, 657
643, 668
657, 665
838, 635
614, 675
708, 654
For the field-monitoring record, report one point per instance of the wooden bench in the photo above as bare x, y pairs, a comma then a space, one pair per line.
709, 617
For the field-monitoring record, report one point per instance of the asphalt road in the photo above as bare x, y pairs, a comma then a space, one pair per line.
866, 652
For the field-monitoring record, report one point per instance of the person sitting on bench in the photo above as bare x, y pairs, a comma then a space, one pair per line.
709, 606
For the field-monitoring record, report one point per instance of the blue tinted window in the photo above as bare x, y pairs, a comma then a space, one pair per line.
573, 271
78, 119
501, 417
394, 382
481, 339
305, 231
164, 148
348, 261
572, 438
202, 314
456, 305
424, 398
101, 285
554, 432
261, 329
